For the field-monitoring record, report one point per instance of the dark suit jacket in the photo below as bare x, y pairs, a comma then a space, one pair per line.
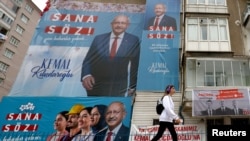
225, 112
166, 21
240, 112
122, 135
205, 112
111, 76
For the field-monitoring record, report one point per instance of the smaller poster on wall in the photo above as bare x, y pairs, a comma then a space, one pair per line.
221, 102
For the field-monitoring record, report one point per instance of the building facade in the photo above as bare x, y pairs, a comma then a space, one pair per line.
215, 50
214, 53
18, 21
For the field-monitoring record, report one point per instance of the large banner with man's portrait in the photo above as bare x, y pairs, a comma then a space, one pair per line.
70, 53
221, 102
159, 60
102, 49
91, 53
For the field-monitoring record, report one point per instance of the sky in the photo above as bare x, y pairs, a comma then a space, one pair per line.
40, 3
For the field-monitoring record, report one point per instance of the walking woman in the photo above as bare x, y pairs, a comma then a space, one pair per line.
168, 117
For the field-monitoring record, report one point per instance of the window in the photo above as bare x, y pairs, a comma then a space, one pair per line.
6, 18
3, 67
201, 1
8, 53
19, 29
211, 2
207, 29
223, 29
207, 2
24, 18
14, 41
220, 2
28, 8
192, 27
216, 73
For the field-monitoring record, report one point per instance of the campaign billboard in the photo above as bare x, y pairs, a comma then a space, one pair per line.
159, 59
221, 102
36, 118
91, 53
69, 53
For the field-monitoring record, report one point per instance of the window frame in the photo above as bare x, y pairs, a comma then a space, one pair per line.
204, 25
207, 2
24, 19
29, 8
8, 53
3, 66
221, 72
19, 29
14, 41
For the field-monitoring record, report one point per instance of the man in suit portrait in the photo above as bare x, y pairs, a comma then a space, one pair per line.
116, 130
161, 20
111, 64
222, 110
209, 111
236, 110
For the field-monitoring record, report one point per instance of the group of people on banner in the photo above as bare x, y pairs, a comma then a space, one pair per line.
96, 123
222, 109
109, 69
105, 122
112, 54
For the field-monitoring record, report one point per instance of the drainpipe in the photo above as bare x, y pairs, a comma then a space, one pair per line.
182, 59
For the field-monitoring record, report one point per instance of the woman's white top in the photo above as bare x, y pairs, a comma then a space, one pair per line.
168, 113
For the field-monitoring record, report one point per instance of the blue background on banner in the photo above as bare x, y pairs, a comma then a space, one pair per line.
102, 25
49, 107
159, 58
173, 9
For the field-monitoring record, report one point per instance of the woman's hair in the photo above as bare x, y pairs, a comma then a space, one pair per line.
168, 88
88, 109
102, 123
64, 114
